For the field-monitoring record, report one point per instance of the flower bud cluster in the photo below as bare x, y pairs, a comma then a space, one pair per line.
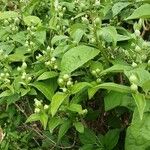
96, 73
5, 78
65, 82
39, 106
133, 80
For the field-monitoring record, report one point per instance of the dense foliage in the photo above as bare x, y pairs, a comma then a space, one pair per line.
74, 74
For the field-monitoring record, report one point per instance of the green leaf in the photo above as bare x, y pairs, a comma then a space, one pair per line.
109, 34
79, 86
140, 102
47, 75
75, 108
146, 86
58, 38
111, 139
33, 117
8, 14
44, 119
32, 20
79, 127
115, 99
53, 123
63, 129
57, 100
88, 137
109, 86
45, 88
138, 133
141, 12
40, 35
118, 7
5, 93
76, 57
116, 69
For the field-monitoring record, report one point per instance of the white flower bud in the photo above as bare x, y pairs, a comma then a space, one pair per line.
134, 64
134, 87
55, 67
137, 33
29, 79
64, 90
2, 75
137, 49
93, 72
53, 59
133, 79
69, 83
24, 65
48, 63
97, 70
48, 48
65, 77
37, 110
46, 107
99, 80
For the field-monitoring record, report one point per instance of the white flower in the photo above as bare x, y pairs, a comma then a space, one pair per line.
66, 77
37, 102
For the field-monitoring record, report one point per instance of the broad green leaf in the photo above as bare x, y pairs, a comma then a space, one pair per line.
88, 137
40, 35
76, 57
79, 127
141, 12
8, 14
33, 117
63, 129
53, 123
138, 133
47, 75
79, 86
57, 100
109, 34
58, 38
32, 20
75, 108
140, 102
118, 7
115, 99
45, 88
5, 93
109, 86
111, 139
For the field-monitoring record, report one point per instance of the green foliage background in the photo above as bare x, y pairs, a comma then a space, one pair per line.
74, 74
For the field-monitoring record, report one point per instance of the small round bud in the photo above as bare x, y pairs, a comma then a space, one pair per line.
24, 65
65, 77
37, 110
37, 102
60, 81
69, 83
2, 75
133, 79
48, 63
7, 75
134, 87
7, 81
97, 70
19, 69
97, 21
46, 107
84, 112
64, 90
134, 64
137, 49
99, 80
93, 72
53, 59
23, 77
55, 67
29, 49
137, 33
85, 20
97, 3
48, 48
29, 79
148, 63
